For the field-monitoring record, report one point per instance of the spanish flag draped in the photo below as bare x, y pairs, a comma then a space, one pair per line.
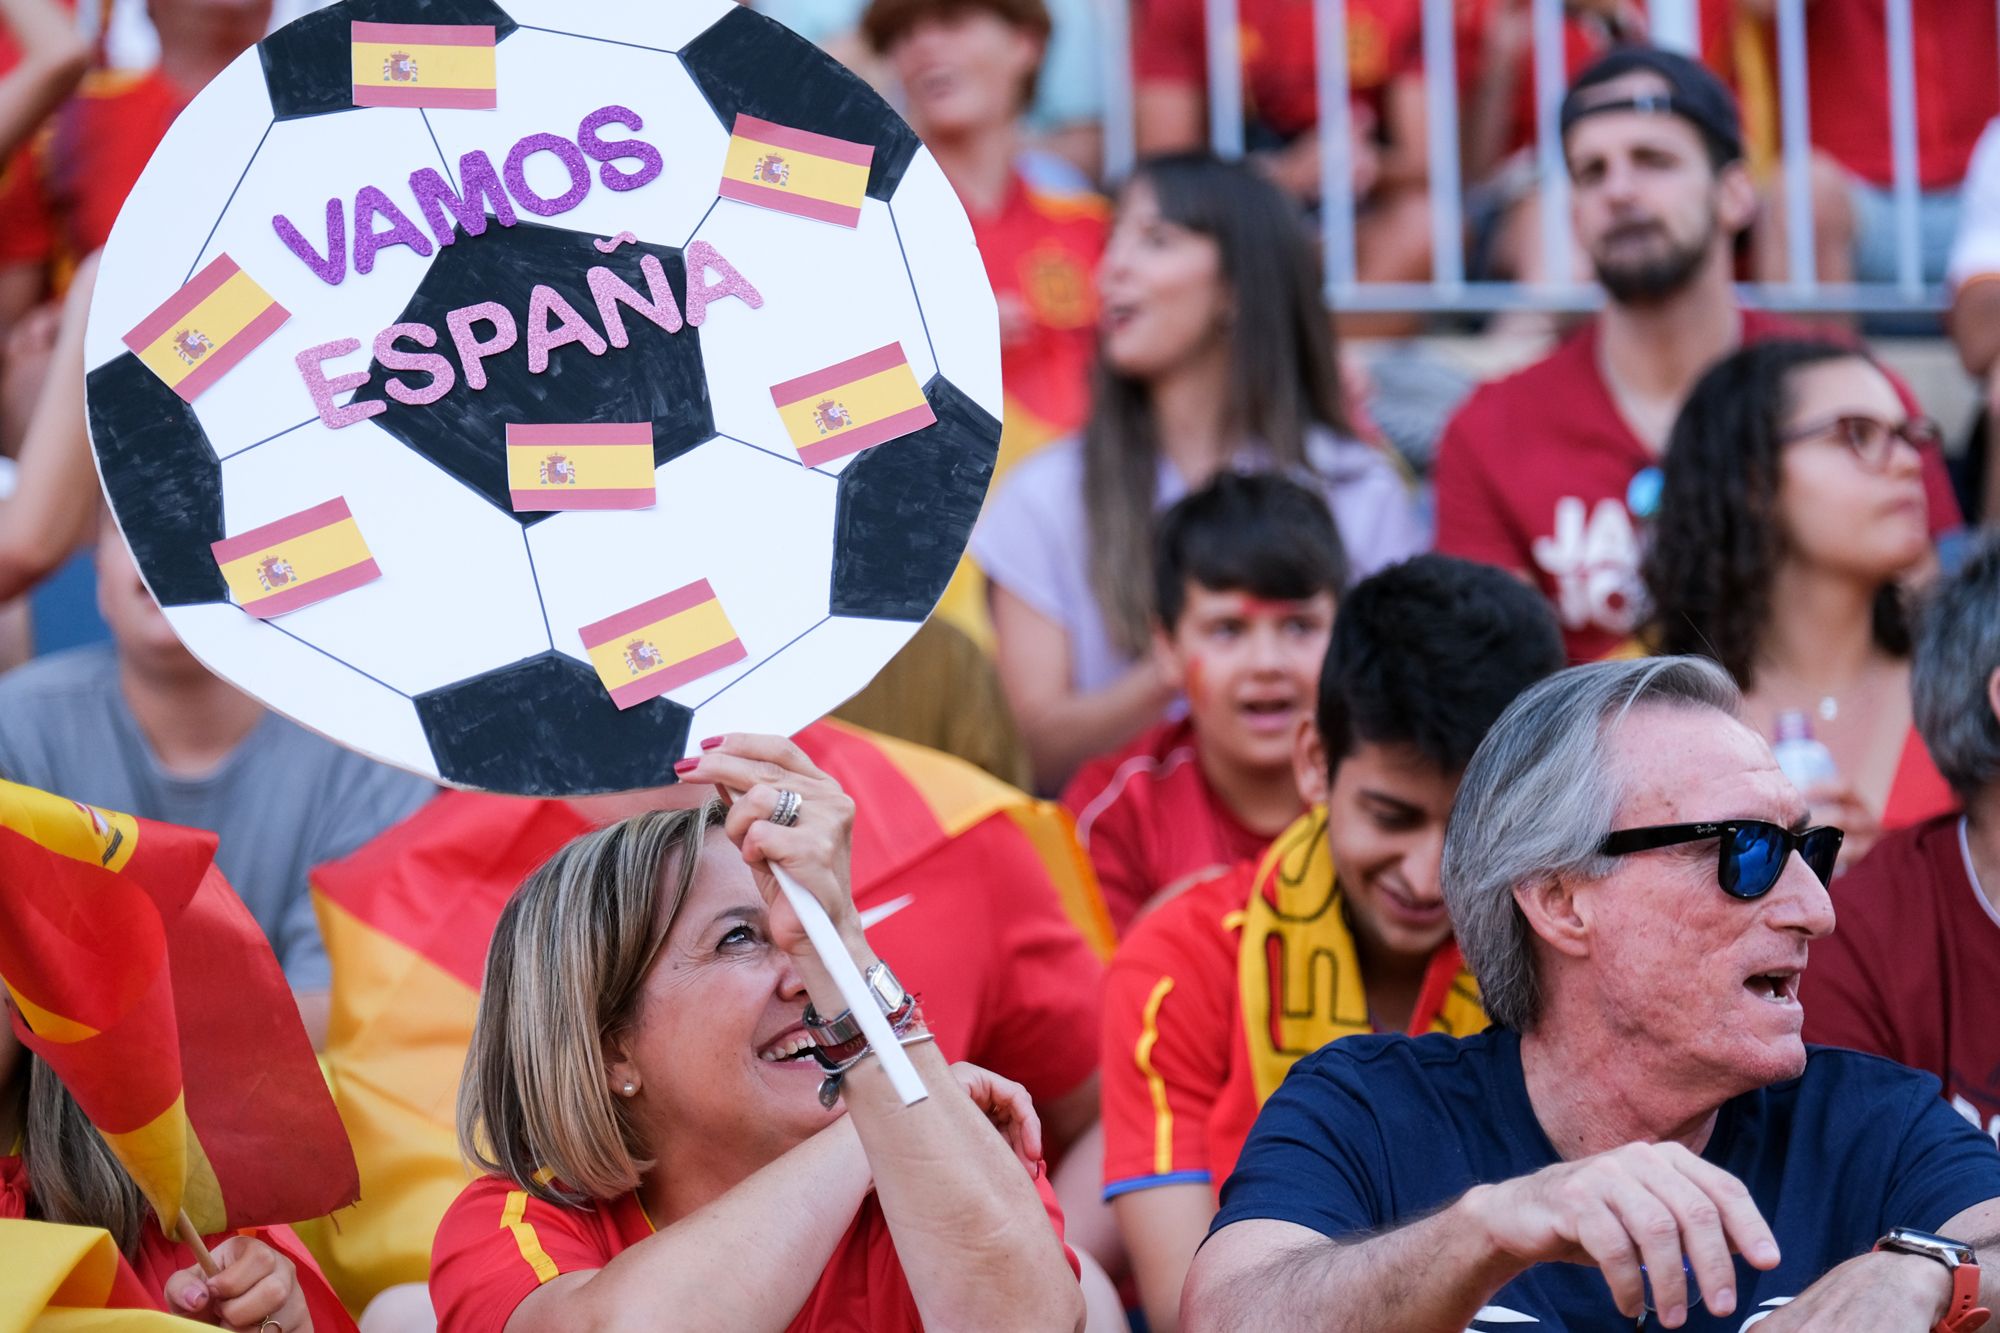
425, 64
662, 644
61, 1278
297, 560
602, 465
200, 332
147, 987
852, 405
408, 919
796, 171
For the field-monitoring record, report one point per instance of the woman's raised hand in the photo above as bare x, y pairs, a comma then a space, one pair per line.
257, 1287
1008, 1108
752, 770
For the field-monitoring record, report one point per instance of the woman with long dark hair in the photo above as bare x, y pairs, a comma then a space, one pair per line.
1792, 511
1215, 350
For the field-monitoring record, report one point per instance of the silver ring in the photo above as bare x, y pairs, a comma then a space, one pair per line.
786, 812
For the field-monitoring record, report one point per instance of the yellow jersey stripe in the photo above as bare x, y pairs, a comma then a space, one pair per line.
514, 1219
1163, 1114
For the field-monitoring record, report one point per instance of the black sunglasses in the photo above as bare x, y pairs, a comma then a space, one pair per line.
1752, 852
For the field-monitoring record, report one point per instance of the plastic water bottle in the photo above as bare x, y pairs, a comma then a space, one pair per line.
1804, 760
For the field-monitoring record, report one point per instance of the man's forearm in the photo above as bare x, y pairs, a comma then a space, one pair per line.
1435, 1274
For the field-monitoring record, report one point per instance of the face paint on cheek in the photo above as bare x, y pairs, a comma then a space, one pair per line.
1254, 607
1197, 683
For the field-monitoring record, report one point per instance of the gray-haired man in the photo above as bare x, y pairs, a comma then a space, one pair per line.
1914, 973
1620, 873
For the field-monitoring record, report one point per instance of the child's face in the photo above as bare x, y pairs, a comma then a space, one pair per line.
1250, 669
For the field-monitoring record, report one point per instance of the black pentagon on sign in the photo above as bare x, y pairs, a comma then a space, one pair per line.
307, 66
545, 726
905, 510
746, 62
162, 478
657, 378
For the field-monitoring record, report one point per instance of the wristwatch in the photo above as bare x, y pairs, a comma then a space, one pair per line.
839, 1039
1964, 1313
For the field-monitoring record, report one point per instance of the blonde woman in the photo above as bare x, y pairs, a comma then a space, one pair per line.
658, 1129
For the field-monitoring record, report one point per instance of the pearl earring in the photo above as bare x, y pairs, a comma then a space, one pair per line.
630, 1088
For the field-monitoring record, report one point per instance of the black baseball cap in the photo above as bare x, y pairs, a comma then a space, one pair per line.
1693, 93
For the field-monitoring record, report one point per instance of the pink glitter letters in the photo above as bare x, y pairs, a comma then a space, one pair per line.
323, 389
610, 291
470, 349
542, 340
393, 357
702, 259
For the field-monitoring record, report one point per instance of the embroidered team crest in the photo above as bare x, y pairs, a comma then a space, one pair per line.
557, 470
400, 67
191, 345
1057, 289
641, 657
830, 416
274, 572
771, 169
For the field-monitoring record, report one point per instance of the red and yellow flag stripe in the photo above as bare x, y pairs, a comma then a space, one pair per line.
605, 465
200, 332
304, 558
852, 405
796, 171
662, 644
425, 64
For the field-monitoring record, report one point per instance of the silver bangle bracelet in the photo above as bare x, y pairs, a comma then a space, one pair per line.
829, 1087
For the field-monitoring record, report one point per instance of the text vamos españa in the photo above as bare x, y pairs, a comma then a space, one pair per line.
550, 321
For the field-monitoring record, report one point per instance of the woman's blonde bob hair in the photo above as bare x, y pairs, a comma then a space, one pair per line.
569, 955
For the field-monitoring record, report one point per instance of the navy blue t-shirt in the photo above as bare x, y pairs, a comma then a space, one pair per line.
1372, 1132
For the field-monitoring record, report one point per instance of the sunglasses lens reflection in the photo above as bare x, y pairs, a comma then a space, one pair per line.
1759, 853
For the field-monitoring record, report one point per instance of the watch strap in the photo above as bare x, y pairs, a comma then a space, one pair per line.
1964, 1313
839, 1040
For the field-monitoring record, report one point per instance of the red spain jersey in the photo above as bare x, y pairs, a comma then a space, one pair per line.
1218, 992
1041, 251
61, 193
1534, 472
1847, 82
498, 1243
1275, 45
1150, 821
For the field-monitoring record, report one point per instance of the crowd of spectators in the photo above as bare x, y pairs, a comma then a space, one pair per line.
1359, 894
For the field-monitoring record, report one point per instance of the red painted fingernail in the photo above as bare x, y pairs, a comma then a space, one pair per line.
686, 766
711, 742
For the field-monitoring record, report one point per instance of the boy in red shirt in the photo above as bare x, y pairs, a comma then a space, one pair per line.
1553, 471
1912, 971
968, 69
1245, 575
1339, 929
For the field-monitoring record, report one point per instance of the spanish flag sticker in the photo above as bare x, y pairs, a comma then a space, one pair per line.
663, 644
425, 64
206, 327
848, 407
606, 465
796, 171
314, 554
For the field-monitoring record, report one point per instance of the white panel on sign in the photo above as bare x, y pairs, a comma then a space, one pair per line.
957, 301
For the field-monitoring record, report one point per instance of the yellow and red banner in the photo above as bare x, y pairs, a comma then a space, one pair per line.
145, 985
852, 405
295, 561
200, 332
602, 465
63, 1277
662, 644
425, 64
796, 171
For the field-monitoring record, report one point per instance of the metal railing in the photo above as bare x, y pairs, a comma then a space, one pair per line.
1674, 23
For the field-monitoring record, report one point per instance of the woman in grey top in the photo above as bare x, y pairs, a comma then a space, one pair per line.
1215, 350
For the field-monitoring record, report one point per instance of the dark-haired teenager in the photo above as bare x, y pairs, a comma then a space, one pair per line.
1214, 354
1339, 929
1245, 574
1552, 472
1793, 505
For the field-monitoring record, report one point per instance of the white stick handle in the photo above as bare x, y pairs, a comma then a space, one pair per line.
861, 1001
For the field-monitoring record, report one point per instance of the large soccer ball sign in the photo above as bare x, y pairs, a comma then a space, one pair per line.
518, 395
